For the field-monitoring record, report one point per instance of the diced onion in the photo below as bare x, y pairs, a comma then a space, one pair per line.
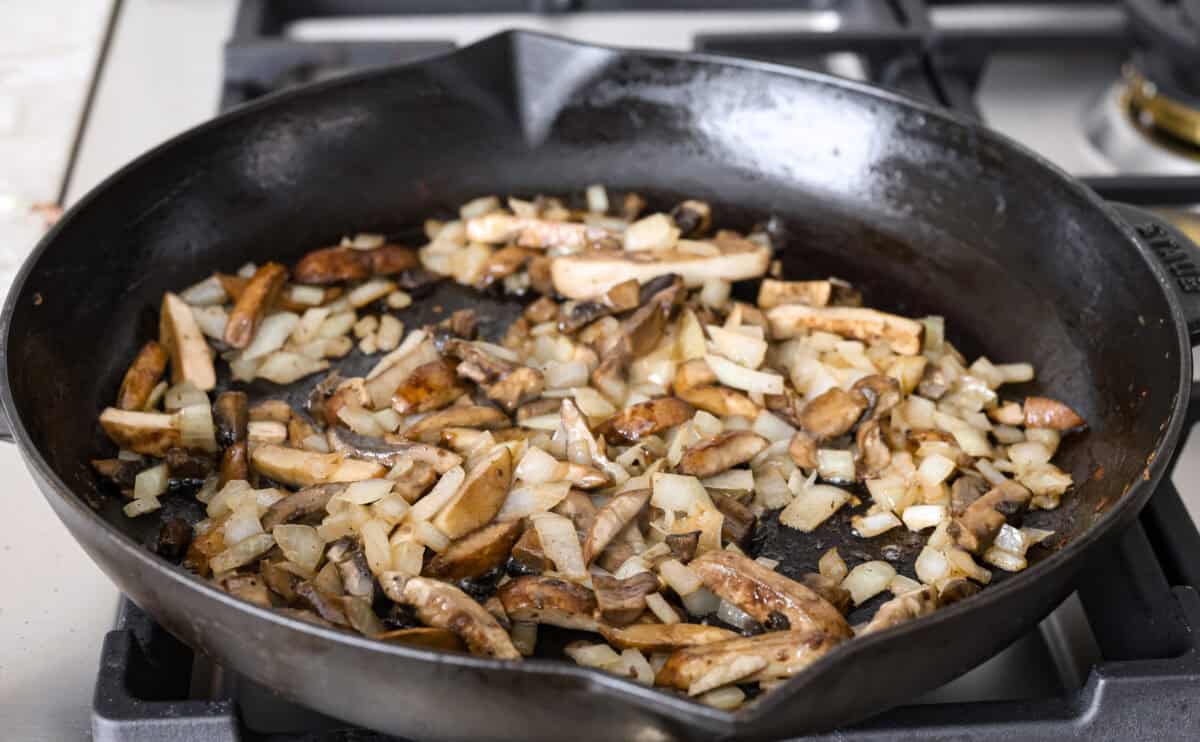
429, 505
564, 375
835, 465
283, 367
150, 482
735, 346
813, 506
934, 469
901, 585
196, 429
560, 543
736, 480
655, 232
525, 501
920, 517
868, 579
366, 491
272, 333
262, 432
1028, 454
726, 698
208, 292
141, 506
873, 524
734, 616
739, 377
211, 321
661, 609
772, 427
771, 489
370, 291
592, 655
597, 199
832, 565
300, 544
524, 637
428, 534
931, 565
360, 421
241, 553
715, 292
680, 578
701, 602
375, 545
408, 556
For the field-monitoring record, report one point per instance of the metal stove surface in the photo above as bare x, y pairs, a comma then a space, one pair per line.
1103, 665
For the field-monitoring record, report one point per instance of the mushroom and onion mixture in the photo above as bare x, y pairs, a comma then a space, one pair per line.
601, 467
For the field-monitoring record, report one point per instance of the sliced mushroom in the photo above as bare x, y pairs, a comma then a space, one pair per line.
1043, 412
257, 297
298, 468
903, 608
956, 589
248, 588
833, 413
184, 465
760, 591
430, 386
415, 481
772, 293
271, 410
351, 563
873, 452
720, 453
578, 507
693, 218
441, 605
784, 653
528, 558
428, 429
591, 274
476, 553
646, 418
623, 296
882, 394
575, 315
550, 601
477, 364
803, 450
869, 325
231, 415
299, 506
327, 606
933, 384
546, 406
120, 472
621, 602
479, 498
966, 489
611, 518
976, 528
191, 359
829, 589
542, 310
173, 539
498, 228
683, 545
394, 450
737, 525
281, 582
149, 433
659, 637
720, 401
503, 263
424, 636
786, 406
516, 388
143, 374
345, 263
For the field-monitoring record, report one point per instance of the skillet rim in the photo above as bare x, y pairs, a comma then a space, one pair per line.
661, 700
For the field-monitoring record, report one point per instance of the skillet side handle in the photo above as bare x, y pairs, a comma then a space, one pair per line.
1175, 254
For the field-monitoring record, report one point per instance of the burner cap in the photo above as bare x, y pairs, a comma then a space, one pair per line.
1167, 35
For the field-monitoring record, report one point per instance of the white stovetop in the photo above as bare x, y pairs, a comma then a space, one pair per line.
162, 75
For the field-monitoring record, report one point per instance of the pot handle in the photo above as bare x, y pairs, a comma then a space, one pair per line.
1177, 256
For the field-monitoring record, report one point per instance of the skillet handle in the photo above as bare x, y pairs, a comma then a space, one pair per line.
1177, 256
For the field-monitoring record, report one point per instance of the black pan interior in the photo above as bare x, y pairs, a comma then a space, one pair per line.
925, 216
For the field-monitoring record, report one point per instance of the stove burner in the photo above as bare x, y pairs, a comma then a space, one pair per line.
1125, 126
1173, 123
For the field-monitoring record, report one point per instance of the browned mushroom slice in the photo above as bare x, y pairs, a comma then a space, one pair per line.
527, 555
441, 605
258, 296
327, 606
347, 555
591, 274
395, 449
143, 374
477, 364
475, 553
873, 453
479, 498
683, 545
182, 464
542, 310
231, 416
204, 547
738, 523
299, 430
271, 410
173, 539
966, 489
786, 406
694, 218
832, 413
720, 401
429, 428
345, 263
540, 279
933, 384
298, 506
579, 508
977, 527
191, 358
150, 433
120, 472
869, 325
575, 315
430, 386
829, 589
620, 602
772, 293
423, 636
623, 296
551, 601
881, 392
956, 589
611, 518
416, 481
547, 406
664, 637
760, 591
803, 450
692, 375
281, 582
298, 468
516, 388
503, 263
903, 608
785, 653
723, 452
1043, 412
248, 588
646, 418
498, 228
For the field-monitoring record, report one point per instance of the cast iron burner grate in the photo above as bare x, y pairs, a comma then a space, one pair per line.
1119, 660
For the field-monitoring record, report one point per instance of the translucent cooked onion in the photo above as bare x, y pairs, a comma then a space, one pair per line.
560, 543
736, 480
522, 502
242, 553
1028, 454
726, 698
300, 544
700, 602
835, 466
272, 333
429, 505
715, 293
375, 545
679, 577
832, 565
366, 491
813, 506
360, 421
931, 566
141, 506
537, 466
655, 232
391, 509
428, 534
735, 346
282, 367
868, 579
734, 616
150, 482
408, 556
196, 429
935, 469
208, 292
901, 585
368, 292
772, 427
524, 637
563, 375
873, 524
242, 524
771, 489
739, 377
920, 517
661, 609
592, 655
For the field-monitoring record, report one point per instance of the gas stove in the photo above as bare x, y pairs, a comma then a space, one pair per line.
1107, 91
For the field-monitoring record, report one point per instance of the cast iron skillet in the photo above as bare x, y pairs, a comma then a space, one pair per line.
927, 213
